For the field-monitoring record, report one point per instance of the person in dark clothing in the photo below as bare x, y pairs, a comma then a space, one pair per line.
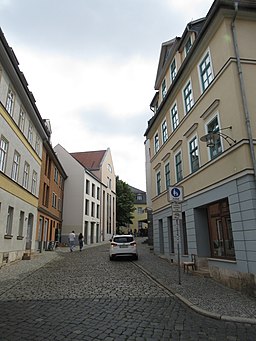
81, 241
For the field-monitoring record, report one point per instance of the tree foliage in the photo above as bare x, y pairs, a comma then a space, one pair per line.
124, 203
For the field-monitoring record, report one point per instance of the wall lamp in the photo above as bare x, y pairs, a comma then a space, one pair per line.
212, 137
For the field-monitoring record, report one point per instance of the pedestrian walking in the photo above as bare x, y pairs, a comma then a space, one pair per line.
71, 240
81, 241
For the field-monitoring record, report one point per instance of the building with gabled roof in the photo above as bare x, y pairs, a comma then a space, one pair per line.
201, 141
89, 196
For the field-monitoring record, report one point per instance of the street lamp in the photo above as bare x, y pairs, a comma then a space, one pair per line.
212, 137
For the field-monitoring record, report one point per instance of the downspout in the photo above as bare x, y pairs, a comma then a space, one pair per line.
245, 105
243, 92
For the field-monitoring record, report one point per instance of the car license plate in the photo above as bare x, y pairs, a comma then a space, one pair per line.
123, 246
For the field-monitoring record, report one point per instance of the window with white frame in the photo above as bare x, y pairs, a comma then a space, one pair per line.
98, 211
30, 133
3, 153
173, 70
92, 209
158, 183
167, 175
21, 223
164, 89
10, 102
21, 122
174, 116
98, 193
34, 182
37, 145
164, 131
56, 175
139, 210
156, 143
86, 206
87, 187
178, 166
188, 46
15, 166
25, 175
193, 154
93, 190
9, 221
213, 127
188, 97
54, 200
205, 69
139, 197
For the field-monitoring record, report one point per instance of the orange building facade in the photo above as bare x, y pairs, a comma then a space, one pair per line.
51, 194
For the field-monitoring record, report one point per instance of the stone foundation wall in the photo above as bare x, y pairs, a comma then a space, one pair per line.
244, 282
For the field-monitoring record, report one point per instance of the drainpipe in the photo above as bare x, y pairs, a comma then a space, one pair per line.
242, 88
245, 104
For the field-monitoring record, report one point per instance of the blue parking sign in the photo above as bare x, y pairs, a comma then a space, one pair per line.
175, 193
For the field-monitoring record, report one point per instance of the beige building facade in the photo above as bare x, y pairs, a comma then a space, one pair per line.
201, 139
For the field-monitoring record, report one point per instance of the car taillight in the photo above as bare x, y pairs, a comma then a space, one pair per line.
133, 244
113, 244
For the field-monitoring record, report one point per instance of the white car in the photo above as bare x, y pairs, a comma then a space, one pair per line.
123, 245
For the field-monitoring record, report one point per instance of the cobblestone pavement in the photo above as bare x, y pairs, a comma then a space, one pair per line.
84, 296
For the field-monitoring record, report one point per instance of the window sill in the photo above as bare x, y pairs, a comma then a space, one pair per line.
20, 237
222, 260
8, 236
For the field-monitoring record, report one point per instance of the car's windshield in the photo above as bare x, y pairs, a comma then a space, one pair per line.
123, 239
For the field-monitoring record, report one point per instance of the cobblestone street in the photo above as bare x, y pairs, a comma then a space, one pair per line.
84, 296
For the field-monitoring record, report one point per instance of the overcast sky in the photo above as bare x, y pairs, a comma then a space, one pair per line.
91, 65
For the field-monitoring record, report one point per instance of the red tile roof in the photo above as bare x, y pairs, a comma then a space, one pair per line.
90, 160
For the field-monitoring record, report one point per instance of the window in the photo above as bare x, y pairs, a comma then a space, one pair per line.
178, 166
158, 183
156, 141
173, 70
98, 211
188, 46
139, 197
87, 189
164, 89
15, 166
22, 120
215, 150
98, 193
188, 97
171, 234
205, 70
9, 221
220, 230
56, 175
59, 204
21, 223
30, 133
86, 206
93, 190
93, 209
109, 168
167, 175
3, 153
164, 131
193, 153
46, 195
184, 237
37, 145
34, 182
54, 200
25, 175
139, 210
174, 117
10, 102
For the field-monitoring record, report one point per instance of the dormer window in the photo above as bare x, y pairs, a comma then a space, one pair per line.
188, 46
164, 89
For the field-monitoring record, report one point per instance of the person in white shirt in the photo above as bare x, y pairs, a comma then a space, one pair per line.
71, 240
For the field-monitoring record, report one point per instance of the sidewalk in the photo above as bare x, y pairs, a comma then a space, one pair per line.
203, 295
